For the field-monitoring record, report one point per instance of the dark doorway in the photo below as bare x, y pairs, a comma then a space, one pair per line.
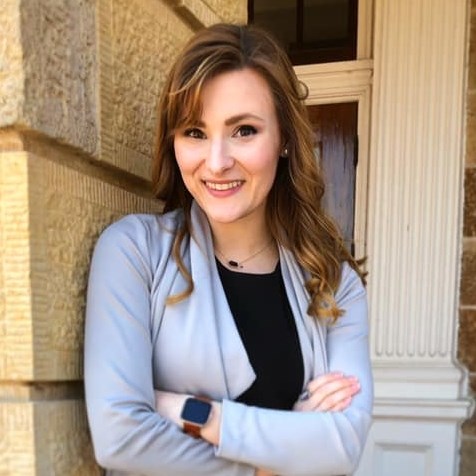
335, 126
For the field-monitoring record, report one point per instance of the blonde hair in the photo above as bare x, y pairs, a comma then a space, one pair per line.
294, 212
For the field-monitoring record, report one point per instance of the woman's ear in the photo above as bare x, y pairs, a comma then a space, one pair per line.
284, 152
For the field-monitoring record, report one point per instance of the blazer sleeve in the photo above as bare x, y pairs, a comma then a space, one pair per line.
128, 434
312, 443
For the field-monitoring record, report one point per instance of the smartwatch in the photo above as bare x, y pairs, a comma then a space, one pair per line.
195, 414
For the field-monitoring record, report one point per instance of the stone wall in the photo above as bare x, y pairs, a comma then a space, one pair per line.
467, 331
79, 81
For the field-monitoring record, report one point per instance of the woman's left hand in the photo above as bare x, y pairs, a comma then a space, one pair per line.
169, 405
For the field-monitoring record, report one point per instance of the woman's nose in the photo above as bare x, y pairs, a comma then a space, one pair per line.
219, 158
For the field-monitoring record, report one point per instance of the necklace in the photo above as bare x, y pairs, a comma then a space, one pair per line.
239, 264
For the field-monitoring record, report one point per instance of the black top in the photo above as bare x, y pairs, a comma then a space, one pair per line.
266, 325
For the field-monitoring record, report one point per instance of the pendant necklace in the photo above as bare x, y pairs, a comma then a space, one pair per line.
239, 264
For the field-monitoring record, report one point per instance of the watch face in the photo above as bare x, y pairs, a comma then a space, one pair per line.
196, 411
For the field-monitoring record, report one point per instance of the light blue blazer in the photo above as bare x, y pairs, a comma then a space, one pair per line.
134, 344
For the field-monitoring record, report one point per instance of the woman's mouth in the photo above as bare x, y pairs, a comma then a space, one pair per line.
223, 186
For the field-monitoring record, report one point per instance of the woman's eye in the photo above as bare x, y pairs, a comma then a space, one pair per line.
244, 131
194, 133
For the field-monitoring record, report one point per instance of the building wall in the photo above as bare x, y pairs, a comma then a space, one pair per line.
467, 331
79, 83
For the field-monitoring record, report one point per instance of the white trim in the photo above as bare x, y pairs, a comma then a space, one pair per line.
336, 82
410, 445
434, 410
365, 29
428, 380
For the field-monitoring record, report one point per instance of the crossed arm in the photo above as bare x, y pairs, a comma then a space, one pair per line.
330, 392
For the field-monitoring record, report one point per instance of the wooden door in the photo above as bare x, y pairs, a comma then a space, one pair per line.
335, 126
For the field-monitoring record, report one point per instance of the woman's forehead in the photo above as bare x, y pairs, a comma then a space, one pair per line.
242, 92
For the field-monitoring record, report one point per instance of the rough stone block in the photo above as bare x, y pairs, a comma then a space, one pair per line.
17, 447
469, 216
469, 426
195, 12
51, 217
471, 128
11, 63
45, 438
138, 41
48, 75
472, 37
230, 10
472, 383
468, 457
62, 439
472, 56
16, 338
470, 149
466, 338
468, 272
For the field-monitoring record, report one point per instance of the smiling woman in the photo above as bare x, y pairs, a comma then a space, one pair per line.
228, 335
228, 162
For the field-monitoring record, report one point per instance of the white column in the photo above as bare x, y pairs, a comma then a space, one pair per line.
414, 235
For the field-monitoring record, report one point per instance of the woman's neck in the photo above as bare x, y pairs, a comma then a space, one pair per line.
246, 247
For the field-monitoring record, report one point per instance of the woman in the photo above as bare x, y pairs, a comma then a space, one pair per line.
228, 335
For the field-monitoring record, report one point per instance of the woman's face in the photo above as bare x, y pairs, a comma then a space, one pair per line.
228, 159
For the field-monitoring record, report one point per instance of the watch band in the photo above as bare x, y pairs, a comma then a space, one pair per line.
194, 429
191, 429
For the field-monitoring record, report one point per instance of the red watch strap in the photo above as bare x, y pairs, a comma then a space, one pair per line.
191, 429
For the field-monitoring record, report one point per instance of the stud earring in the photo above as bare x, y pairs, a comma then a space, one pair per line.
285, 153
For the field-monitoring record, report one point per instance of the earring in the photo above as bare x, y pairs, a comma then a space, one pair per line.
285, 153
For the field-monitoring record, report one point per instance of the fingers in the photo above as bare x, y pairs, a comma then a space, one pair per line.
332, 378
341, 406
329, 392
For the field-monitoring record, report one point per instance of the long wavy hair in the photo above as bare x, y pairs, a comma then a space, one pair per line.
294, 212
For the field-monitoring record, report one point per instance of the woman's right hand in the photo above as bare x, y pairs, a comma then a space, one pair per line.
329, 392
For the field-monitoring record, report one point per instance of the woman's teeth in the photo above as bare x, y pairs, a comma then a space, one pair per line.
223, 186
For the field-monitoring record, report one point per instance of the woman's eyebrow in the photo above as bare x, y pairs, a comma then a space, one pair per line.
240, 117
235, 119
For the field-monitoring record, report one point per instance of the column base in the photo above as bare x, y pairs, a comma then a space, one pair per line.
414, 437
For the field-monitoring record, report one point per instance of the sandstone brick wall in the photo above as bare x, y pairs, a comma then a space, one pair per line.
467, 330
79, 82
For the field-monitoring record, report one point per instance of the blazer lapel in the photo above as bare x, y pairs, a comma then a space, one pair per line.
237, 373
311, 332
